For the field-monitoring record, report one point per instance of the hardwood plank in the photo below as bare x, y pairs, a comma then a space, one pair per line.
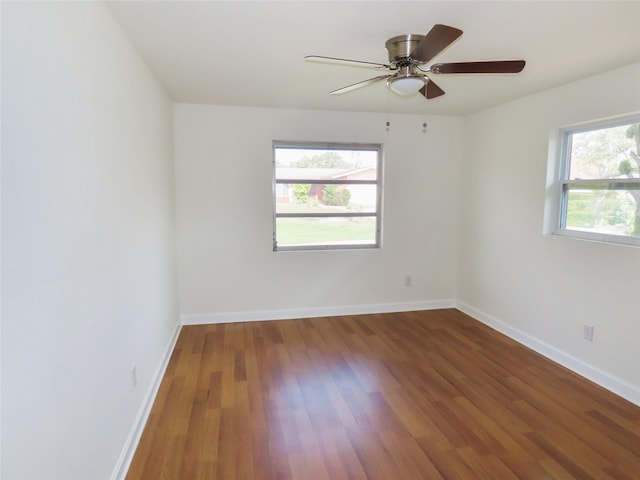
406, 453
339, 456
411, 395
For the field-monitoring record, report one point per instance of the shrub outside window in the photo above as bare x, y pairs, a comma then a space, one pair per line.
326, 195
600, 182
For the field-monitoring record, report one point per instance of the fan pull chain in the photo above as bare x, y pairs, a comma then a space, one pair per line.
388, 122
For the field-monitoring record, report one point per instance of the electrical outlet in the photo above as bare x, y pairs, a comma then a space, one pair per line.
134, 376
587, 332
407, 281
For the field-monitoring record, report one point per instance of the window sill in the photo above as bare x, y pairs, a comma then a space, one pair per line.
599, 237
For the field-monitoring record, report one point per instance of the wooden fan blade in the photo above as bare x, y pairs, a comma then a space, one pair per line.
320, 58
431, 90
503, 66
355, 86
438, 38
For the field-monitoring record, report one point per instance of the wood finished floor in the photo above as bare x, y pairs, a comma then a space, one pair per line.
417, 395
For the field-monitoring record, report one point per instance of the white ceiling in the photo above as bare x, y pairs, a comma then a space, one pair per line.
251, 53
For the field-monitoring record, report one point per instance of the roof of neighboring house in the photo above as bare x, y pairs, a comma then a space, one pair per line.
318, 173
353, 171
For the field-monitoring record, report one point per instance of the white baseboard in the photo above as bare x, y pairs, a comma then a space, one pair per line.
610, 382
258, 315
131, 444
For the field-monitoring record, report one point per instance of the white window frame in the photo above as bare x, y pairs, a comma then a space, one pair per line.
330, 146
565, 184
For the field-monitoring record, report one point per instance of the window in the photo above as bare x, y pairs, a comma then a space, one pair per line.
326, 196
600, 181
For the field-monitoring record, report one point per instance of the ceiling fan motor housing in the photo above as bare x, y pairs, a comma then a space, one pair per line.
399, 48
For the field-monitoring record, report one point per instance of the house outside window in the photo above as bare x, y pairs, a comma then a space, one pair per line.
326, 196
600, 181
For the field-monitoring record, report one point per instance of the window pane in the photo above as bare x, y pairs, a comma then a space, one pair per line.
327, 195
313, 164
605, 153
320, 198
612, 212
325, 231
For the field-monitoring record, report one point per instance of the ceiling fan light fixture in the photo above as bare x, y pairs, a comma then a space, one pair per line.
407, 85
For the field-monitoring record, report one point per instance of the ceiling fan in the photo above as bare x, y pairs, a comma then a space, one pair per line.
408, 59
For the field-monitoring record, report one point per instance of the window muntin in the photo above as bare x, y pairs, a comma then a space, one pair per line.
326, 196
600, 182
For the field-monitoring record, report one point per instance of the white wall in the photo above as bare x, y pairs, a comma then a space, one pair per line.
227, 269
88, 225
88, 256
537, 287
